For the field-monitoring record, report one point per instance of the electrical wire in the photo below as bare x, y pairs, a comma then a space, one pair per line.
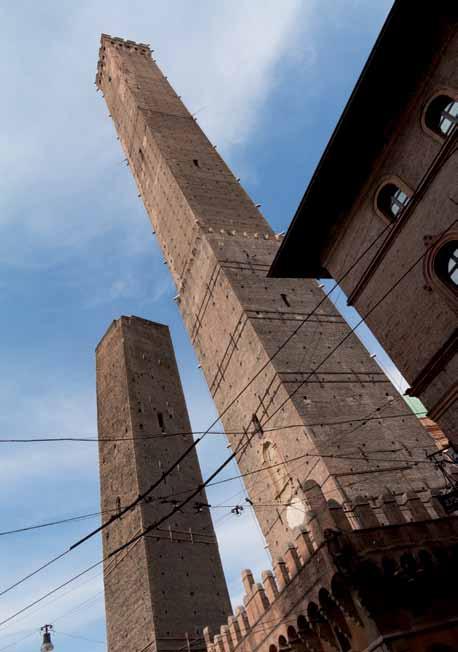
198, 432
21, 640
71, 519
366, 457
81, 638
133, 541
185, 501
104, 525
231, 457
188, 450
361, 321
201, 432
139, 498
95, 440
194, 444
27, 577
51, 592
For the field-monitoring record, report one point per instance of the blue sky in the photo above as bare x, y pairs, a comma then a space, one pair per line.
268, 81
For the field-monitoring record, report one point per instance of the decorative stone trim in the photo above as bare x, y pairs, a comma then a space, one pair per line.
433, 281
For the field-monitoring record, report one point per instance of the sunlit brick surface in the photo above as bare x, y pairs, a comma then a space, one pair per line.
218, 248
170, 584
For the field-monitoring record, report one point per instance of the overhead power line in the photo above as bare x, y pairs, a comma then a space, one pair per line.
366, 457
137, 537
361, 321
81, 638
234, 454
51, 592
194, 444
139, 498
201, 432
71, 519
221, 467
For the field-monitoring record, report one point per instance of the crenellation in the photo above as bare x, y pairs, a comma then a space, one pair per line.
392, 510
304, 544
328, 594
338, 515
364, 512
317, 527
219, 643
269, 584
208, 638
247, 580
255, 603
292, 560
281, 573
226, 638
234, 629
416, 508
242, 620
435, 504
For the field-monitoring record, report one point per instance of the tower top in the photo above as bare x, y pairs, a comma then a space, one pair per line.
117, 42
124, 319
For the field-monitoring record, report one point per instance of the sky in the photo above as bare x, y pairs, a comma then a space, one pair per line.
268, 81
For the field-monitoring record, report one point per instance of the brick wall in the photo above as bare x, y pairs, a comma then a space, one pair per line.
417, 319
218, 248
171, 581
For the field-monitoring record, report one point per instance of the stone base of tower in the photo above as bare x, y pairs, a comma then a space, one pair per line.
338, 589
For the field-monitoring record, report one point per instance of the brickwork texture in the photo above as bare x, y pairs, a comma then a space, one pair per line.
165, 588
218, 248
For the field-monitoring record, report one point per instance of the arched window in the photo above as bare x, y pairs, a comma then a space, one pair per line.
441, 115
391, 200
446, 264
440, 267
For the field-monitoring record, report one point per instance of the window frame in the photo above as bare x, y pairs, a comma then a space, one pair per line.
438, 135
434, 281
402, 187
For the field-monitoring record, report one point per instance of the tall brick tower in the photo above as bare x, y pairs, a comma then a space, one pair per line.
218, 248
160, 592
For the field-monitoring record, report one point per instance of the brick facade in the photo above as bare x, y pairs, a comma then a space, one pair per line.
394, 135
163, 590
418, 319
218, 248
379, 589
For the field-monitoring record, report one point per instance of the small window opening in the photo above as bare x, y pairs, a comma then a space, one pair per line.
442, 115
391, 200
196, 162
285, 299
160, 419
446, 264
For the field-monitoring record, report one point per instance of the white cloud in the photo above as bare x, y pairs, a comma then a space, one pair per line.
62, 180
53, 412
68, 608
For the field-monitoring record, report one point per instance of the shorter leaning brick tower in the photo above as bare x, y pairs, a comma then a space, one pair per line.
161, 591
